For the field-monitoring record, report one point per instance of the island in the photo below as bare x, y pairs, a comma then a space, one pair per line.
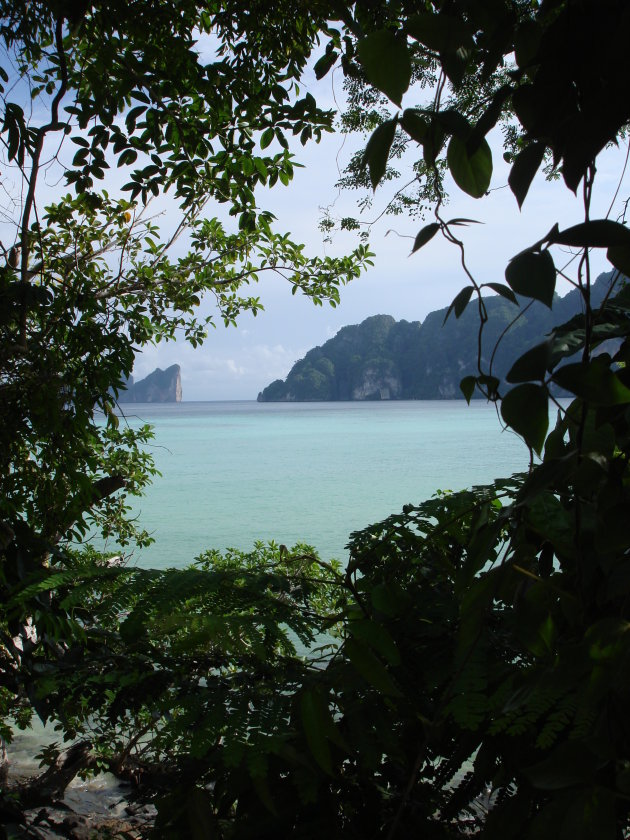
385, 359
161, 386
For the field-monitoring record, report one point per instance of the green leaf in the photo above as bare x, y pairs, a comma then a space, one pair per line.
599, 233
524, 169
471, 173
571, 763
377, 150
323, 65
526, 42
453, 122
525, 410
467, 387
266, 138
425, 235
504, 291
127, 157
414, 124
594, 382
259, 163
533, 275
377, 638
459, 303
464, 222
491, 383
442, 33
387, 63
201, 820
532, 364
545, 475
387, 598
313, 720
433, 142
247, 165
454, 64
370, 667
619, 256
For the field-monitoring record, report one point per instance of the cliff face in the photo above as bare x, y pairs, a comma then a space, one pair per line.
382, 359
159, 386
361, 362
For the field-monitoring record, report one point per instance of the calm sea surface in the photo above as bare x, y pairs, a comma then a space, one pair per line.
235, 472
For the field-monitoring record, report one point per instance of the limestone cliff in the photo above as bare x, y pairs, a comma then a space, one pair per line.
384, 359
160, 386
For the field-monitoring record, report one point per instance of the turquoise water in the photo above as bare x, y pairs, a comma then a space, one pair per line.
234, 472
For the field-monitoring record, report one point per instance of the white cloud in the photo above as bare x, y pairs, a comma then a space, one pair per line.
231, 365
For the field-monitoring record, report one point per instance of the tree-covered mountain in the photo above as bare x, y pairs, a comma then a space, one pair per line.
382, 358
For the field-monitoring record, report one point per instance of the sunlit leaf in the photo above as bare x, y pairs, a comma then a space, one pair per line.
266, 137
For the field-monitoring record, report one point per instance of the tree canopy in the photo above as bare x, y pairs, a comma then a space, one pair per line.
468, 671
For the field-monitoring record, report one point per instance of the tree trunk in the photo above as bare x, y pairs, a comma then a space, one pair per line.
52, 783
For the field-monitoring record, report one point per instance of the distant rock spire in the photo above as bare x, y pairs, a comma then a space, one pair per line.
161, 386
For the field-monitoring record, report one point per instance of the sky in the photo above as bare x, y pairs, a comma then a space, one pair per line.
237, 363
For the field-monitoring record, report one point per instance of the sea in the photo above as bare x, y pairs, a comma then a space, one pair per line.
237, 472
233, 473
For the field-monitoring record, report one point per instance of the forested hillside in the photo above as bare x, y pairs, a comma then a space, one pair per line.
382, 359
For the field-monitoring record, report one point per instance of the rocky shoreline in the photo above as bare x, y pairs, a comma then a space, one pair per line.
100, 806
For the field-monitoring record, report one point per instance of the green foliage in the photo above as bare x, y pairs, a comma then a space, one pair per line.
468, 673
191, 105
505, 606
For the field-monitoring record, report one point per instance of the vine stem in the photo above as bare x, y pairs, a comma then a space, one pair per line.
585, 288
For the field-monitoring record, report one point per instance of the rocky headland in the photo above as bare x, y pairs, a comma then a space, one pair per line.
385, 359
161, 386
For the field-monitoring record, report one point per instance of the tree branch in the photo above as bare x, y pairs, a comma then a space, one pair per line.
53, 125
